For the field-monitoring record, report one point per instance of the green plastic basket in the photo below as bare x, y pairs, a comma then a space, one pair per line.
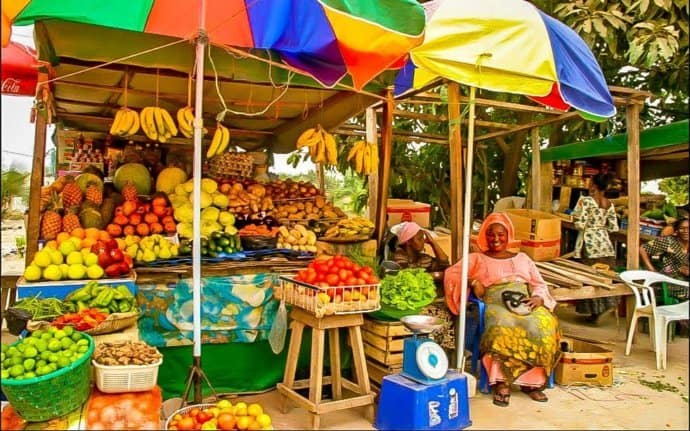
53, 395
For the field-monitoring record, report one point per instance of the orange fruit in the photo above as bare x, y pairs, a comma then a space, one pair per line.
243, 422
254, 410
254, 425
87, 242
79, 233
52, 244
92, 233
62, 236
103, 235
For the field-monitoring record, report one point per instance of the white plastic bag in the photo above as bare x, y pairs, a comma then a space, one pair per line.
276, 337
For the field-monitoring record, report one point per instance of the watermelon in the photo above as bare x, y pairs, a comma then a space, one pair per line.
137, 173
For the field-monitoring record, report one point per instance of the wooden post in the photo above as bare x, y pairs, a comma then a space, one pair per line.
456, 170
546, 190
33, 227
372, 137
535, 170
632, 119
384, 166
321, 177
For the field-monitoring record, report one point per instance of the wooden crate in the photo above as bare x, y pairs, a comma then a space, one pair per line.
378, 371
383, 341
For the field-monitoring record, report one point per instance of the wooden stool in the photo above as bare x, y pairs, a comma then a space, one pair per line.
316, 380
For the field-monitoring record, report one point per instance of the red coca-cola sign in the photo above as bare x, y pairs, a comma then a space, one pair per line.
19, 87
19, 70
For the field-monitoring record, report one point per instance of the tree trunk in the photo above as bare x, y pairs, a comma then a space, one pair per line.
511, 162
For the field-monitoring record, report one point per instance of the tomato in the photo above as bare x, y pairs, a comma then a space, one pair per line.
340, 264
203, 416
352, 281
349, 265
194, 412
344, 274
321, 268
320, 278
355, 267
226, 421
186, 423
372, 279
367, 270
310, 276
332, 279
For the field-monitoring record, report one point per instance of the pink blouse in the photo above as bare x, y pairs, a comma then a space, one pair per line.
488, 271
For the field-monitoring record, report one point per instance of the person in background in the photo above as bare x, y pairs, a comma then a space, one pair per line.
409, 253
594, 217
672, 252
521, 336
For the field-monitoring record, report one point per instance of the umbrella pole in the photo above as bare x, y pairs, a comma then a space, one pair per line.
466, 223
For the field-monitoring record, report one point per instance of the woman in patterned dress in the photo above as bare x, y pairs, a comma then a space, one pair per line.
594, 217
673, 254
521, 336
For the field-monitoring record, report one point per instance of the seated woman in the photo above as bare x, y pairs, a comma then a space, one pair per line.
521, 335
409, 253
672, 252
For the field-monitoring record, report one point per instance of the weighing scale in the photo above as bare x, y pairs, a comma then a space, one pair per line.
425, 395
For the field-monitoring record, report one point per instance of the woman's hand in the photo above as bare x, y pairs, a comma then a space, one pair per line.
534, 302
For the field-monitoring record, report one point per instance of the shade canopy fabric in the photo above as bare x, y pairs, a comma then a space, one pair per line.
326, 39
508, 46
19, 70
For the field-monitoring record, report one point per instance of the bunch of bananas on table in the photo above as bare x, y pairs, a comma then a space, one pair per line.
157, 124
364, 157
322, 146
125, 123
356, 226
220, 141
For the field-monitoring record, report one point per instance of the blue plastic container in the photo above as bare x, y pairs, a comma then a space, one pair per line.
60, 289
408, 405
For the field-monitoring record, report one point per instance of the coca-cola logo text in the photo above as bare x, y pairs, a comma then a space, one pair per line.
11, 85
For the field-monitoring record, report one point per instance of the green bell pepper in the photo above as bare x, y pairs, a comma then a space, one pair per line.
124, 306
124, 291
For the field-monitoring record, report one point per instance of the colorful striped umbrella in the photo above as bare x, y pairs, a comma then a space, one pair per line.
326, 39
508, 46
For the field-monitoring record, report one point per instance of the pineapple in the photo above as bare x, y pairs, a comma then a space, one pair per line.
94, 194
71, 195
129, 192
51, 222
70, 222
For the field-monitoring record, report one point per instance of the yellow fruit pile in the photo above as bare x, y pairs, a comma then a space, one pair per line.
364, 157
125, 123
220, 141
157, 124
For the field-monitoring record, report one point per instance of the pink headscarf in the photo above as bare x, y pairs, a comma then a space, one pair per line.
406, 231
495, 218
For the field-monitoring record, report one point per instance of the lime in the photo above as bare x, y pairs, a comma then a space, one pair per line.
21, 347
54, 345
45, 354
76, 271
74, 257
53, 272
69, 330
42, 258
52, 330
83, 342
63, 362
42, 371
59, 334
64, 268
2, 357
52, 366
73, 347
12, 351
7, 363
41, 346
29, 364
16, 360
5, 374
41, 363
29, 341
30, 375
37, 333
53, 358
46, 336
30, 352
91, 259
16, 371
94, 272
67, 247
77, 336
83, 349
33, 272
5, 348
66, 342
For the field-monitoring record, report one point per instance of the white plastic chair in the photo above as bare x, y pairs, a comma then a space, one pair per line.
659, 316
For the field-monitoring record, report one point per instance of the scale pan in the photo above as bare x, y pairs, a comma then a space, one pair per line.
420, 324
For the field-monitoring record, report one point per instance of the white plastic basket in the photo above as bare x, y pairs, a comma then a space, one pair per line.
115, 379
326, 301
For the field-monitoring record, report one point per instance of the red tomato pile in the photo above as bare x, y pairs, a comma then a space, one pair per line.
336, 271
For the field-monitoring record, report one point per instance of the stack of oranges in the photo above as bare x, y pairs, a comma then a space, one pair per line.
222, 416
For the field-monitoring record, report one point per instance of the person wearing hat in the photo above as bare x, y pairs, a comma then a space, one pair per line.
521, 334
410, 253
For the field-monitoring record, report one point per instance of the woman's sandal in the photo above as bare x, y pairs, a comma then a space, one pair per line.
535, 393
502, 395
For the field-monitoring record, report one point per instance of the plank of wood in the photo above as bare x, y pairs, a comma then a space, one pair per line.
591, 273
582, 278
559, 280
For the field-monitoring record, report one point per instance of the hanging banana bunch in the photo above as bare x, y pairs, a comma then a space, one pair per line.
364, 157
321, 144
185, 121
157, 124
220, 141
125, 123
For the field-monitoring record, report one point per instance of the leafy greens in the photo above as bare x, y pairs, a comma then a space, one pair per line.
409, 289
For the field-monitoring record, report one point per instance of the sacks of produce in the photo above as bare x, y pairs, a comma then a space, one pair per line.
129, 411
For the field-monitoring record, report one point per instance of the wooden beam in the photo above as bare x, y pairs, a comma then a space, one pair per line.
385, 165
456, 171
357, 131
444, 118
33, 227
632, 119
535, 169
405, 138
436, 99
373, 201
627, 90
561, 118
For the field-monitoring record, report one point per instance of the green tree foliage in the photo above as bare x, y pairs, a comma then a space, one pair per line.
676, 188
14, 184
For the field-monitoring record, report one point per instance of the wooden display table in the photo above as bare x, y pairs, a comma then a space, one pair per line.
314, 404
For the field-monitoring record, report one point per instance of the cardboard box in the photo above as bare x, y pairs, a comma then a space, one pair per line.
400, 210
534, 225
584, 364
541, 250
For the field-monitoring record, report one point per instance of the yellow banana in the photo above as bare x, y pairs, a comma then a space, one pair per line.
126, 123
147, 123
374, 150
320, 147
367, 160
115, 127
160, 123
353, 151
186, 128
169, 123
331, 148
215, 142
224, 141
135, 123
305, 137
359, 159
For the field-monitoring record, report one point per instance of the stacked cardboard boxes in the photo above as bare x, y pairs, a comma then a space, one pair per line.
539, 233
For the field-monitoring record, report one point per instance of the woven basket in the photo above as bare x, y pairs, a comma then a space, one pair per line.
114, 322
53, 395
184, 410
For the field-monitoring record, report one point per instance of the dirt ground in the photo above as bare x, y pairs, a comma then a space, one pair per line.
12, 262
